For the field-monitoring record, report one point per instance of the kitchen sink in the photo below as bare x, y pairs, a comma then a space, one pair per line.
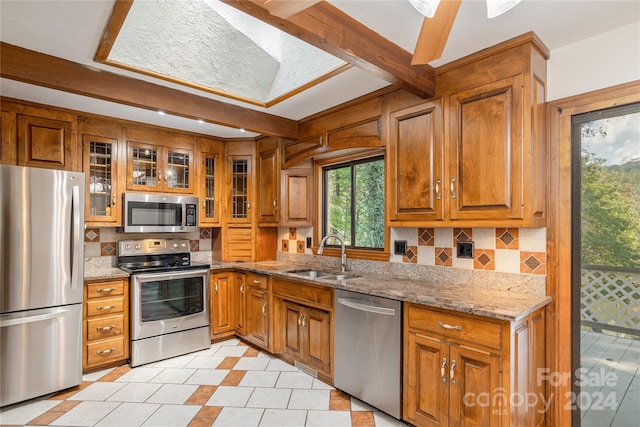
324, 275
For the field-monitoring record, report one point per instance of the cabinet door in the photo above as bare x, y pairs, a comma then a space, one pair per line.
240, 284
476, 396
240, 172
142, 166
177, 173
210, 189
415, 159
426, 381
101, 169
292, 332
257, 326
316, 325
486, 144
222, 303
45, 142
296, 197
268, 187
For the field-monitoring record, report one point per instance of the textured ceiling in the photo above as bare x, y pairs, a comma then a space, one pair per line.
212, 45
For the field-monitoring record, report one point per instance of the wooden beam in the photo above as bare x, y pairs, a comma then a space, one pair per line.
328, 28
17, 63
285, 8
435, 33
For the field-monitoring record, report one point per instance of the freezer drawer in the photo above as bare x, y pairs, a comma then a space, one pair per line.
54, 359
368, 349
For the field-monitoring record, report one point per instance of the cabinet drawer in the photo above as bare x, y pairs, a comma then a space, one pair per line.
257, 281
105, 289
105, 306
105, 351
472, 330
105, 327
303, 292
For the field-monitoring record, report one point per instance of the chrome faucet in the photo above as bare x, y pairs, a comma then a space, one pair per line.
343, 261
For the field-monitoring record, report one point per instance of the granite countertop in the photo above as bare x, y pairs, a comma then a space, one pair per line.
462, 297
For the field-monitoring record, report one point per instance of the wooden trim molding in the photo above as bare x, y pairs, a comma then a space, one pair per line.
17, 63
559, 245
328, 28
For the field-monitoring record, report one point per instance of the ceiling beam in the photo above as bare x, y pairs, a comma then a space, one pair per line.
328, 28
28, 66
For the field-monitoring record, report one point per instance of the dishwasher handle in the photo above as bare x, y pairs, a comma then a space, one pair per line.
363, 306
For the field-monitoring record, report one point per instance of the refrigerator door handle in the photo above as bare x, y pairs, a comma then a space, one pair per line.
75, 245
32, 319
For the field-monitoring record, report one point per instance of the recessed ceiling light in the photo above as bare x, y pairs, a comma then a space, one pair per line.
242, 130
200, 121
161, 112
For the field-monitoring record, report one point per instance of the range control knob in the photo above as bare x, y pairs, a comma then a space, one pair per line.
184, 245
175, 245
127, 247
137, 247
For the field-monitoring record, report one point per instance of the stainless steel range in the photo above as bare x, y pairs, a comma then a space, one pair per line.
169, 299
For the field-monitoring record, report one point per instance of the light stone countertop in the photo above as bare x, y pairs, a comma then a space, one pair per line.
432, 291
462, 297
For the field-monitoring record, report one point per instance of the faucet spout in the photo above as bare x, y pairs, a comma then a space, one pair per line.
343, 260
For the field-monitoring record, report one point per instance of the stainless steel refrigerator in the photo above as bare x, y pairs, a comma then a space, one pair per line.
41, 281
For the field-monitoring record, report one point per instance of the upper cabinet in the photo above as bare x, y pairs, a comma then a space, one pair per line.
297, 195
102, 168
240, 182
159, 160
415, 164
474, 156
7, 143
268, 172
211, 153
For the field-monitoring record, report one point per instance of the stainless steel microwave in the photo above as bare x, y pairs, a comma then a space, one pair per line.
159, 213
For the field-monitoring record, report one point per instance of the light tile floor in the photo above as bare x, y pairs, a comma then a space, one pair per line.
229, 384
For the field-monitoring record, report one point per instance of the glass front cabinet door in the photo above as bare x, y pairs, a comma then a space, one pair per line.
240, 189
209, 198
102, 204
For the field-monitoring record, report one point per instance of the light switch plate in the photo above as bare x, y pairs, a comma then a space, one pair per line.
399, 247
465, 250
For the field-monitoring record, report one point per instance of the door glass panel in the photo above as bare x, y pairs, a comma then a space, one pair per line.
209, 187
177, 170
607, 266
167, 299
100, 176
239, 183
145, 166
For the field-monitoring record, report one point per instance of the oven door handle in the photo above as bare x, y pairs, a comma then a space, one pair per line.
168, 275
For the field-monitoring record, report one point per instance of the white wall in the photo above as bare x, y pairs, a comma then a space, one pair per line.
599, 62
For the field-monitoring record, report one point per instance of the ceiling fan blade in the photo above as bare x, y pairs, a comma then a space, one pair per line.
435, 32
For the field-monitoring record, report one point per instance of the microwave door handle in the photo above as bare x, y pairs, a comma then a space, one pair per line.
184, 216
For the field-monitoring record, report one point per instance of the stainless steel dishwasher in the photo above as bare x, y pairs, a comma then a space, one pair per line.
367, 349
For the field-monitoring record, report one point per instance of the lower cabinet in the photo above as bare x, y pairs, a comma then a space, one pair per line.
303, 325
240, 303
222, 304
106, 323
465, 370
257, 314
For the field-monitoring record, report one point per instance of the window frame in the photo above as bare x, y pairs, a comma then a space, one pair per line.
318, 221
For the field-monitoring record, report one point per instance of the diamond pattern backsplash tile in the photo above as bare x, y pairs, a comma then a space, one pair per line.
205, 233
194, 245
484, 259
507, 238
293, 233
92, 235
108, 248
533, 262
426, 237
462, 235
444, 257
411, 255
300, 246
285, 246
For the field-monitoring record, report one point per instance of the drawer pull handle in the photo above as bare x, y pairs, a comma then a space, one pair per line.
444, 363
257, 282
452, 187
107, 351
105, 328
444, 325
105, 290
242, 288
451, 371
438, 196
106, 307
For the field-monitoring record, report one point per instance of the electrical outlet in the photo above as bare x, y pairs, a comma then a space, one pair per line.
399, 247
465, 250
308, 242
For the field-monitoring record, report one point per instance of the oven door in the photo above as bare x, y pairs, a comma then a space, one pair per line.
163, 303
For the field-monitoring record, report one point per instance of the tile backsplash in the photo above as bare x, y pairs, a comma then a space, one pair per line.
103, 241
504, 250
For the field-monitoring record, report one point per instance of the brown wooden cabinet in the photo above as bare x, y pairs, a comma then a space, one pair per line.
222, 304
462, 369
258, 309
47, 142
240, 303
152, 167
106, 323
415, 160
101, 160
8, 155
211, 163
268, 188
240, 180
303, 325
297, 195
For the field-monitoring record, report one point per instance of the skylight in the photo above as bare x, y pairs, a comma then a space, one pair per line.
211, 46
